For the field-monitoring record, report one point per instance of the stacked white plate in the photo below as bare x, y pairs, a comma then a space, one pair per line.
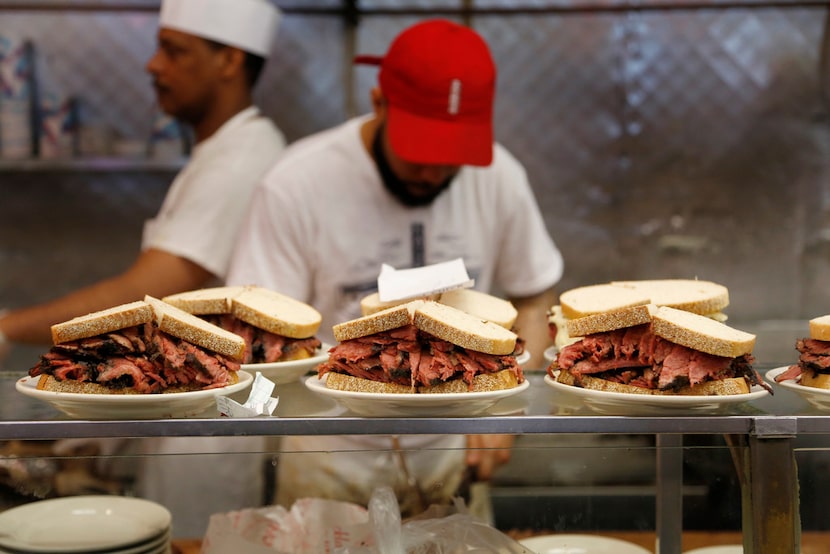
580, 544
86, 524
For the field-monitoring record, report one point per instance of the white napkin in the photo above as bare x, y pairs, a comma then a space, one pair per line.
259, 401
399, 284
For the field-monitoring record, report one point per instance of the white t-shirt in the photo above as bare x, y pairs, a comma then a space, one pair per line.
199, 220
322, 223
209, 197
319, 228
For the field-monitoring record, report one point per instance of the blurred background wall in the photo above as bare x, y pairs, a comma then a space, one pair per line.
662, 138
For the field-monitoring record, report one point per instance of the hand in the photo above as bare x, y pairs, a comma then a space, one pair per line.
485, 453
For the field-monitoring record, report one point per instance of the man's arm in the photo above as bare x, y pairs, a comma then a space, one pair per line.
154, 272
485, 453
532, 325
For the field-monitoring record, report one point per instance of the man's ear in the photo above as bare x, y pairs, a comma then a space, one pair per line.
234, 61
378, 102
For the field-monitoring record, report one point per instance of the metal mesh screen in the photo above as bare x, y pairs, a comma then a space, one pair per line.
661, 139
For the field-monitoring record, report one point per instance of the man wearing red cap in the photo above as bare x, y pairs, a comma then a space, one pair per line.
417, 182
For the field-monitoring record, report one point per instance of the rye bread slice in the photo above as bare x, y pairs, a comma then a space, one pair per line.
275, 312
377, 322
701, 333
195, 330
342, 381
482, 305
690, 295
103, 321
463, 329
209, 301
820, 328
593, 299
609, 321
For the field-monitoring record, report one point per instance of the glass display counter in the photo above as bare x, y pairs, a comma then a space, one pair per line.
767, 438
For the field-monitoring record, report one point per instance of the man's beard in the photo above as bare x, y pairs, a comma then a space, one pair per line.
399, 188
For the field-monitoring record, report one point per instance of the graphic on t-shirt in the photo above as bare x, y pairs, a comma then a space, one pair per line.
418, 246
447, 246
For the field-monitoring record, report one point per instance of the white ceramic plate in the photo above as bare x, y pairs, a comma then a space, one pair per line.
722, 549
523, 358
161, 545
459, 404
580, 544
163, 548
281, 373
153, 546
820, 398
157, 545
620, 403
83, 524
132, 406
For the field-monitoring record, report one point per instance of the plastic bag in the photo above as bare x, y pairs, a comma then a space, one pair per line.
317, 526
436, 531
312, 526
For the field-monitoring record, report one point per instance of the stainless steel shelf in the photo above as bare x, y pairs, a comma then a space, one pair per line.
372, 426
535, 411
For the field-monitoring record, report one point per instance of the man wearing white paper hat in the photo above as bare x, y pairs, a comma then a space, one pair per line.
210, 53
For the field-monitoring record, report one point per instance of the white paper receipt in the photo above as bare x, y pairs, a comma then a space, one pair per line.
400, 284
259, 401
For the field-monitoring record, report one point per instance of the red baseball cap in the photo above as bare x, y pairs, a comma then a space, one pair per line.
439, 81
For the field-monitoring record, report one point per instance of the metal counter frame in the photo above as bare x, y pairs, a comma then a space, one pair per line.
762, 443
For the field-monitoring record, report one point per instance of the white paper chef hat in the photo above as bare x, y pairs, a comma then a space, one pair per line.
249, 25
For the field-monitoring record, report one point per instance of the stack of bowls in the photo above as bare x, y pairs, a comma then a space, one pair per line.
86, 524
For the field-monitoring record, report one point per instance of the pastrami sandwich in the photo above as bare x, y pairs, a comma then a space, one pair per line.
480, 304
275, 327
813, 367
147, 346
421, 347
691, 295
647, 349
